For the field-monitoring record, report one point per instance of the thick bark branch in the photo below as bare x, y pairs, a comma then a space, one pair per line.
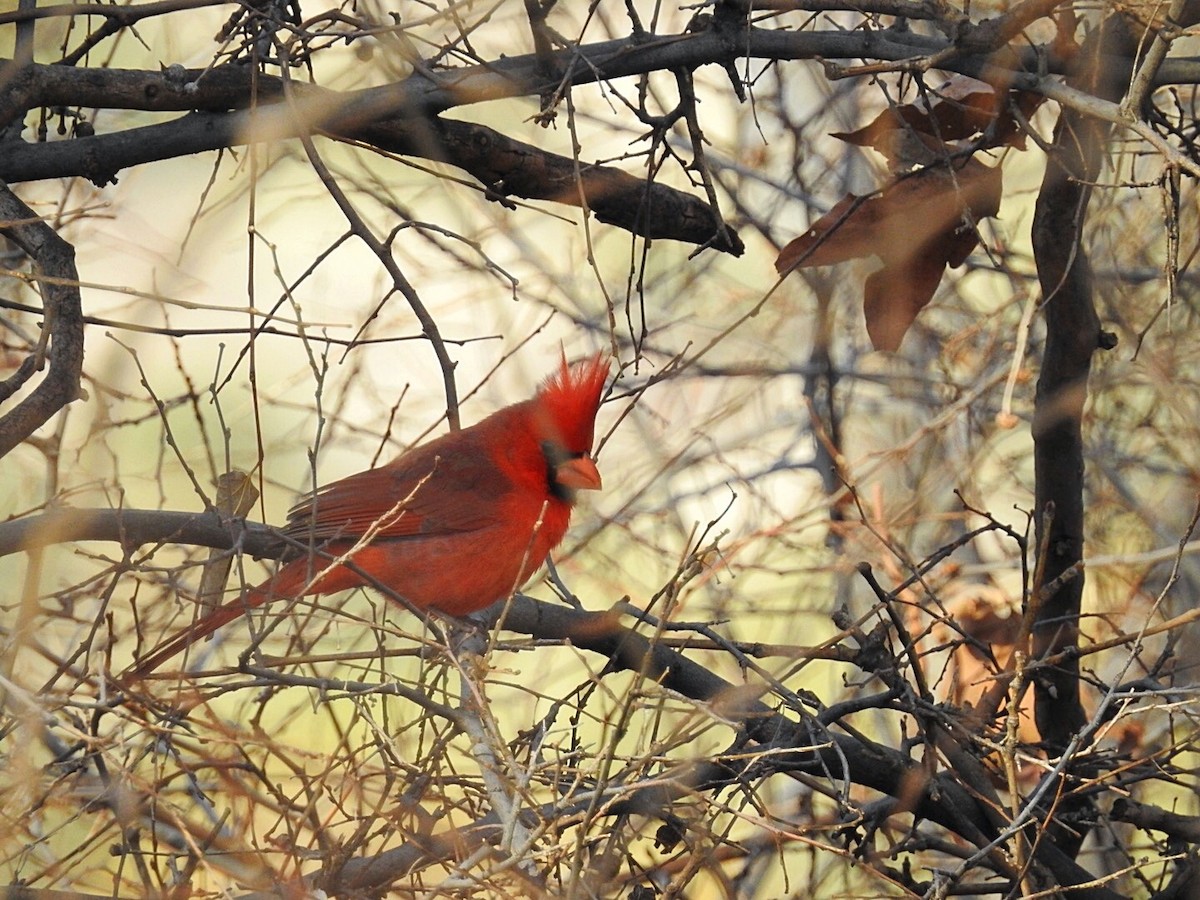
62, 344
137, 527
428, 93
1072, 335
1147, 816
509, 167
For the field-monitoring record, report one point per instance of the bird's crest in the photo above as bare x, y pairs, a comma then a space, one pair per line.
569, 399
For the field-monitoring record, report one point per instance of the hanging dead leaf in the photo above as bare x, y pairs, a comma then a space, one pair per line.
917, 225
962, 109
895, 294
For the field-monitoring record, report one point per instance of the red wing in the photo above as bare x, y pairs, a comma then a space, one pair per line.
443, 487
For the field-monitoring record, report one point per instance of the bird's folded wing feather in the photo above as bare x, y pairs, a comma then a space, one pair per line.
431, 490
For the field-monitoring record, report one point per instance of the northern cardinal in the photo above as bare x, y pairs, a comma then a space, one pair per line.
452, 525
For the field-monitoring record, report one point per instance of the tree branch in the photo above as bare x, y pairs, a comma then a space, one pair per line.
802, 746
402, 117
1072, 336
62, 329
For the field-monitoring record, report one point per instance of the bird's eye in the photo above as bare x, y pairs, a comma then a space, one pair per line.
556, 454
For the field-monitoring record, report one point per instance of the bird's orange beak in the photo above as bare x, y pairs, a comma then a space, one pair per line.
579, 473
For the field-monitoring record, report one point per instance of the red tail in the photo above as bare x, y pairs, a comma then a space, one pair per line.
287, 582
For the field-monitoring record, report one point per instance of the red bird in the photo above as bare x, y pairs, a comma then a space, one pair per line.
453, 525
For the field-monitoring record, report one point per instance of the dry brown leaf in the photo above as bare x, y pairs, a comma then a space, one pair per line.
921, 133
893, 295
917, 225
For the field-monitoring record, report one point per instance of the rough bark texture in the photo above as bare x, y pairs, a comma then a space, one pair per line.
62, 342
1072, 335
